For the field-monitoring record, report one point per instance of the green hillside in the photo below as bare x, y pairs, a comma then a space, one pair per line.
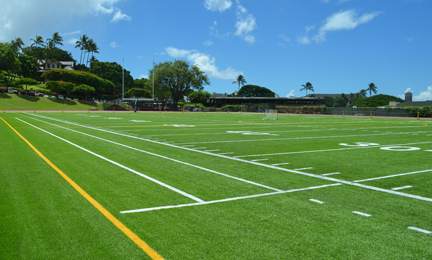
21, 102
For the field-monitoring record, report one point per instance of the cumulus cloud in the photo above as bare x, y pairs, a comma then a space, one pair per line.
343, 20
205, 62
113, 45
46, 15
302, 39
217, 5
424, 95
291, 94
119, 16
245, 24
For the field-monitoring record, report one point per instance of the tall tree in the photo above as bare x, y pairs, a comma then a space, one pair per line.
178, 77
307, 86
255, 91
9, 62
240, 79
38, 41
82, 43
91, 47
113, 72
56, 39
17, 45
372, 88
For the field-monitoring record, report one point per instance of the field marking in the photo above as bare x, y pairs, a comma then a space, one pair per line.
217, 150
317, 201
261, 164
131, 235
258, 160
229, 199
118, 164
227, 153
332, 173
330, 150
361, 213
401, 188
391, 176
276, 164
300, 169
157, 155
420, 230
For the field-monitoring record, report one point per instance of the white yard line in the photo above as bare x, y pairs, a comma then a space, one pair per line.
258, 160
217, 150
276, 164
261, 164
306, 168
317, 201
361, 213
328, 174
161, 156
391, 176
118, 164
229, 199
420, 230
226, 153
401, 188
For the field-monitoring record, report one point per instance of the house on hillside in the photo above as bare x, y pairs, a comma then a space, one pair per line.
45, 65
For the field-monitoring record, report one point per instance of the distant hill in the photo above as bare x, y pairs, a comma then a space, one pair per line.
376, 101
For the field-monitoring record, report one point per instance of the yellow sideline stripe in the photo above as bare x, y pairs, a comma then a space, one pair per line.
143, 245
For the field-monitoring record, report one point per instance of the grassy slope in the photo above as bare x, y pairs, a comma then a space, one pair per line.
17, 102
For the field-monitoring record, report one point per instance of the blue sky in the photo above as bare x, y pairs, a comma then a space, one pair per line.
337, 45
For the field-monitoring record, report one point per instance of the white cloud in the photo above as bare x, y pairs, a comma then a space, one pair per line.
119, 16
142, 76
245, 24
217, 5
208, 43
424, 95
72, 41
46, 15
205, 62
285, 38
214, 31
303, 40
291, 94
408, 90
140, 57
308, 28
113, 45
71, 33
343, 20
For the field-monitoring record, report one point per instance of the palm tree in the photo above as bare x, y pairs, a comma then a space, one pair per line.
363, 93
17, 45
82, 43
372, 88
56, 39
38, 40
93, 48
307, 87
240, 80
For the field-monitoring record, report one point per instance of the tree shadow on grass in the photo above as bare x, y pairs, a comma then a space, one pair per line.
29, 98
4, 95
63, 101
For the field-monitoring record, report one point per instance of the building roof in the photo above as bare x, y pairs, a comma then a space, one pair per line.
415, 104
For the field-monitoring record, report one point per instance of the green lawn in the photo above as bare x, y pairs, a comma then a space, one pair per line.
23, 102
216, 186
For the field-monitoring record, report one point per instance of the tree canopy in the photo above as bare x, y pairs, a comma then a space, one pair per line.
199, 96
112, 71
372, 88
307, 86
9, 61
179, 78
376, 101
339, 102
255, 91
240, 80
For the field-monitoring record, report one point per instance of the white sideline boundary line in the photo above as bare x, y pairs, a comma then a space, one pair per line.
154, 154
229, 199
261, 164
276, 164
259, 160
118, 164
332, 173
391, 176
317, 201
301, 169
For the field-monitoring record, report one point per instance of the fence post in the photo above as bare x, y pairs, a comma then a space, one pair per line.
228, 110
371, 114
418, 115
113, 109
62, 109
34, 109
343, 113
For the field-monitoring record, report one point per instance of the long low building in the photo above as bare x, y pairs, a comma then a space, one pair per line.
269, 101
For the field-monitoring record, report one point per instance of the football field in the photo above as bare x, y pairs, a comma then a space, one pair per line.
214, 186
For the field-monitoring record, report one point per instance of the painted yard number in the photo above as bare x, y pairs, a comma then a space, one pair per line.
387, 148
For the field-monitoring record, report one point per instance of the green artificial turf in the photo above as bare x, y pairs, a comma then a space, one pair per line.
222, 159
